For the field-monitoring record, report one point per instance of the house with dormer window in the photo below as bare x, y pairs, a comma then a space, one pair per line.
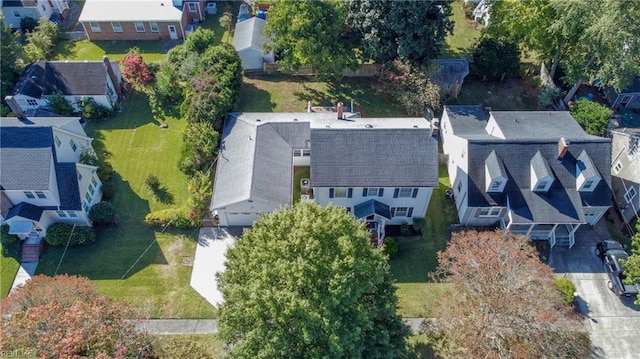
535, 173
41, 179
382, 170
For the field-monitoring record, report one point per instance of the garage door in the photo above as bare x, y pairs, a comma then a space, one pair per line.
241, 218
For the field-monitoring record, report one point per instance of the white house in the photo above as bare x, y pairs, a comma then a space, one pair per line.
535, 173
249, 41
75, 80
41, 181
383, 170
16, 10
625, 172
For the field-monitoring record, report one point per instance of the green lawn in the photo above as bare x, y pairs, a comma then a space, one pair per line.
464, 37
151, 51
9, 264
512, 94
291, 93
155, 280
299, 172
417, 255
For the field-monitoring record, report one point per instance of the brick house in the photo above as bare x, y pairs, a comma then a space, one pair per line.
140, 19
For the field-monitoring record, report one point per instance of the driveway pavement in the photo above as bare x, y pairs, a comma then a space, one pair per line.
613, 322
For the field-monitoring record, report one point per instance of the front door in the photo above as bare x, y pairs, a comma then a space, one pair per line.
173, 34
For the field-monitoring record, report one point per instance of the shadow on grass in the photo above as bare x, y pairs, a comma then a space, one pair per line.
163, 195
118, 251
254, 99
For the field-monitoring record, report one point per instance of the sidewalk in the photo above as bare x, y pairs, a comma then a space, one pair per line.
210, 326
25, 272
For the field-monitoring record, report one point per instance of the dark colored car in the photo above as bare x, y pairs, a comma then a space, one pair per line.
613, 257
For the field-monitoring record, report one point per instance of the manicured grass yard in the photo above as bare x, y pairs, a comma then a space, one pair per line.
512, 94
154, 281
465, 34
9, 264
87, 50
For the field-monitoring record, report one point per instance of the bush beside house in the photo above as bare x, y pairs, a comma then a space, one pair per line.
63, 233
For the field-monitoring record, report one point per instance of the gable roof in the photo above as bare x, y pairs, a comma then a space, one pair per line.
256, 154
370, 207
451, 71
248, 34
20, 146
25, 210
69, 78
68, 189
138, 10
527, 136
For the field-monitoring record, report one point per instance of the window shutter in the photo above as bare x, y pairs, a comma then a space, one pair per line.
415, 193
330, 192
364, 192
393, 211
395, 192
350, 193
380, 192
410, 213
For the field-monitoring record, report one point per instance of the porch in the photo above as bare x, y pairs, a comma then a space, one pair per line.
562, 234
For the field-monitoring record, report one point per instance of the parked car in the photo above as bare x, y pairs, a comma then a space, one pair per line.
613, 257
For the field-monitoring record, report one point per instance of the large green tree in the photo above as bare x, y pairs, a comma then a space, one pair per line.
9, 69
632, 266
310, 33
306, 283
412, 31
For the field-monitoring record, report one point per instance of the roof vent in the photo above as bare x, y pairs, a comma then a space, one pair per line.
295, 119
327, 126
368, 125
258, 120
415, 126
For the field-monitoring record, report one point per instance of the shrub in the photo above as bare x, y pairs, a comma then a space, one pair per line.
41, 41
496, 58
61, 233
547, 95
108, 191
153, 182
95, 112
102, 213
536, 81
105, 171
6, 238
199, 148
566, 288
60, 105
390, 247
173, 217
28, 24
593, 117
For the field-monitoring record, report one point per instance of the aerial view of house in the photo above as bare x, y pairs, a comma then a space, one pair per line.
99, 81
381, 170
41, 179
16, 10
249, 41
141, 19
625, 171
533, 172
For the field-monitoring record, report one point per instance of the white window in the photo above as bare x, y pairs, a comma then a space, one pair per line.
340, 192
153, 26
57, 140
192, 7
459, 187
404, 192
541, 186
94, 182
29, 194
61, 214
617, 167
95, 27
91, 189
116, 26
372, 192
401, 212
302, 153
41, 194
633, 149
630, 195
495, 185
16, 14
79, 177
32, 102
72, 214
87, 196
489, 212
139, 27
587, 185
73, 145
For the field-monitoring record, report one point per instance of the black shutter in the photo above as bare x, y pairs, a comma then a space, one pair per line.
350, 193
380, 192
393, 211
395, 192
364, 192
410, 213
415, 193
330, 192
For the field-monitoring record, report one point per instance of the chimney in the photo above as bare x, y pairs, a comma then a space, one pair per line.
340, 110
563, 147
15, 108
112, 75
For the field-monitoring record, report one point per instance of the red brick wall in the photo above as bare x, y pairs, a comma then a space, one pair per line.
129, 31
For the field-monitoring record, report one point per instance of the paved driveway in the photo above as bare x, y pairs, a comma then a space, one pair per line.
614, 322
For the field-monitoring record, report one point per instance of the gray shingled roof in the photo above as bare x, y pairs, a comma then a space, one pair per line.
375, 157
20, 146
68, 190
370, 207
67, 78
248, 34
25, 210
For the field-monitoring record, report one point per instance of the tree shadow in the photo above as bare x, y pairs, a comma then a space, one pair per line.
254, 99
163, 195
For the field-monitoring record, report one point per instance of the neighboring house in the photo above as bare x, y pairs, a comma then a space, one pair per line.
140, 19
75, 80
41, 181
625, 171
628, 98
249, 41
482, 12
16, 10
532, 172
383, 170
450, 75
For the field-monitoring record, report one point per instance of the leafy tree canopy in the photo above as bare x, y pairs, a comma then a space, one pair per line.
10, 50
41, 41
592, 116
496, 58
412, 31
632, 266
135, 70
481, 319
305, 283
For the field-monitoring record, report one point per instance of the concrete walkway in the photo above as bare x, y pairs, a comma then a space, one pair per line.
209, 260
25, 272
210, 326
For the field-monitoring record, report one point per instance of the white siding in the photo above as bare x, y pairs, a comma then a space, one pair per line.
244, 213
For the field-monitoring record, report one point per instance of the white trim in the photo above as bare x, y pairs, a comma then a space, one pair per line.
630, 194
